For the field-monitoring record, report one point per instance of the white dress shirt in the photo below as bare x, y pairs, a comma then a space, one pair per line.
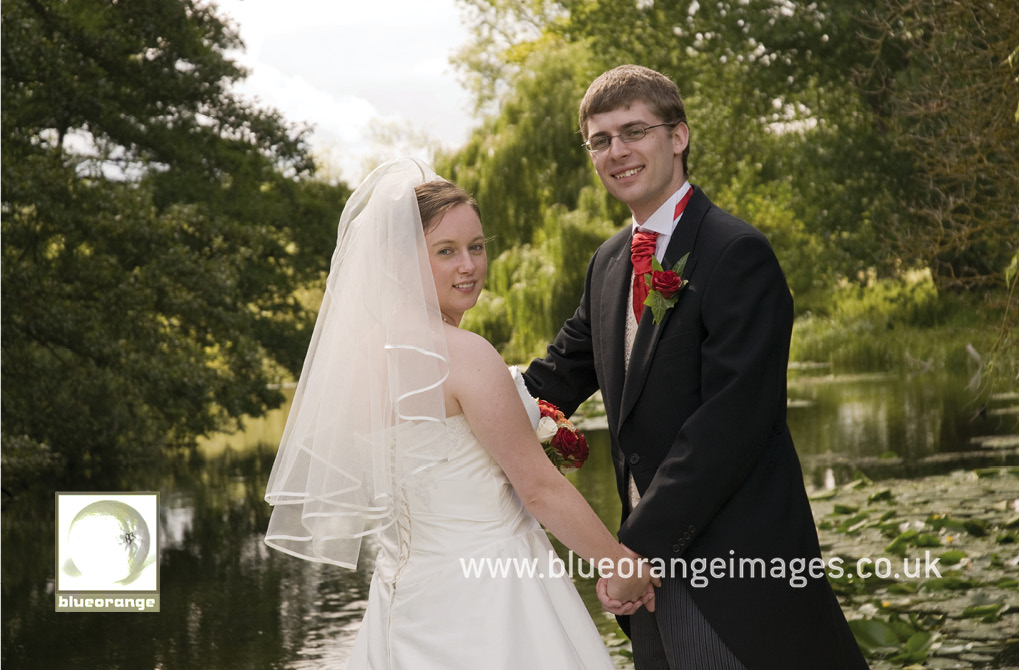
660, 222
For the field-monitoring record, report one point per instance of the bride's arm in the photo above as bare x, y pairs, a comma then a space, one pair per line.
481, 384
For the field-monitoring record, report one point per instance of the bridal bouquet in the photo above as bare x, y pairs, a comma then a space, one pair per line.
564, 445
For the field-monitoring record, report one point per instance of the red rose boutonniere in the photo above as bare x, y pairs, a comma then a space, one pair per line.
664, 286
563, 444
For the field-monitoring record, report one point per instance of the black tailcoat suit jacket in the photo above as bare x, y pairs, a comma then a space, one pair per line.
699, 420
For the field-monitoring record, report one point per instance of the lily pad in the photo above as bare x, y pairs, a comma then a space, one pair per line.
874, 635
977, 527
900, 543
853, 523
915, 649
980, 611
930, 594
884, 495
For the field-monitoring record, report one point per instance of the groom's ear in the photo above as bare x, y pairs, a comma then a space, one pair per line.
680, 138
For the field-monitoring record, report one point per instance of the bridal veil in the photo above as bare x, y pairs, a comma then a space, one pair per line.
367, 420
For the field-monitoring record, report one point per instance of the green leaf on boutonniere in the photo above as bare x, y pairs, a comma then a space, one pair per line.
681, 265
677, 268
658, 303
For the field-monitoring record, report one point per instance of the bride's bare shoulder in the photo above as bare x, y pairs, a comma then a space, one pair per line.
473, 363
463, 344
472, 357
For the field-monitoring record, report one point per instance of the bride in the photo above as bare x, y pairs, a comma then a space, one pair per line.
409, 430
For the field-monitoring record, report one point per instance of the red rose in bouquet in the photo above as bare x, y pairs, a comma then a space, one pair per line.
565, 447
550, 410
572, 445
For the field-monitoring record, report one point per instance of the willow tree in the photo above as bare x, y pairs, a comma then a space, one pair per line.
529, 156
155, 228
779, 133
539, 199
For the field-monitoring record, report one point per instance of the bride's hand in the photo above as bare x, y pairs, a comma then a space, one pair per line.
625, 596
626, 608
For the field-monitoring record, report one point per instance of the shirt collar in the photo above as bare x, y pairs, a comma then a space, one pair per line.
661, 221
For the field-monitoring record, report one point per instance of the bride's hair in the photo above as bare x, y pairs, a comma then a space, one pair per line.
435, 198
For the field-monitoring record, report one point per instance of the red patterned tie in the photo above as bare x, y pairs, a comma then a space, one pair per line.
642, 247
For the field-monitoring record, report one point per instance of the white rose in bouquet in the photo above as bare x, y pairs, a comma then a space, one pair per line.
547, 429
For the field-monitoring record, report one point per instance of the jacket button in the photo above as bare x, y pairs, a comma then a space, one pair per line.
634, 459
677, 547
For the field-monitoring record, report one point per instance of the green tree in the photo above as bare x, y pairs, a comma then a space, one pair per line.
532, 288
948, 96
155, 229
773, 115
775, 104
529, 157
504, 33
540, 200
865, 137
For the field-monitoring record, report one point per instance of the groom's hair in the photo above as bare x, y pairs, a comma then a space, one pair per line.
626, 84
437, 197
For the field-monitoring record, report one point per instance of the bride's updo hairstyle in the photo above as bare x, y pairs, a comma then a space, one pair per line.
435, 198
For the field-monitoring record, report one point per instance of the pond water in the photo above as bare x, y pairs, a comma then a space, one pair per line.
227, 601
897, 426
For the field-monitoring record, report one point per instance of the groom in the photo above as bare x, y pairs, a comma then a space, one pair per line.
695, 396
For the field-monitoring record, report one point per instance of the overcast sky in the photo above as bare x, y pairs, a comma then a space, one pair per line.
344, 65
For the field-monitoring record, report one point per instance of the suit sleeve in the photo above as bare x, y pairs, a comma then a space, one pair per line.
747, 318
566, 376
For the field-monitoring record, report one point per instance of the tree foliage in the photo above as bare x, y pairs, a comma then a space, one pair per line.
155, 228
863, 135
504, 32
529, 157
948, 95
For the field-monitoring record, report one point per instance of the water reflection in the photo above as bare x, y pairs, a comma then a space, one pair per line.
228, 601
885, 426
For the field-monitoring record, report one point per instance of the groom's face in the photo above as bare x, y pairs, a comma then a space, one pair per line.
642, 174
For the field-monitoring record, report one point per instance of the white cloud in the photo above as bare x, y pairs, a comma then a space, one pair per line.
344, 67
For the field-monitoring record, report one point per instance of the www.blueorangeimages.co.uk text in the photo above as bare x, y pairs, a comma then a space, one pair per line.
700, 571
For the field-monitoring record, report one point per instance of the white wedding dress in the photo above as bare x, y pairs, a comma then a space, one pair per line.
424, 611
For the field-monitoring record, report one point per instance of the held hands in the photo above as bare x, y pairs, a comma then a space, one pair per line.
626, 595
617, 606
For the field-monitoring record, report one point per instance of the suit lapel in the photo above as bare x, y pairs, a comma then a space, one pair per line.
648, 332
614, 303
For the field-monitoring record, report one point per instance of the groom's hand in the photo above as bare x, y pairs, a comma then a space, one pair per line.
625, 596
626, 608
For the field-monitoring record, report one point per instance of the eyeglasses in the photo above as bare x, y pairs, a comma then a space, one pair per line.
634, 134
